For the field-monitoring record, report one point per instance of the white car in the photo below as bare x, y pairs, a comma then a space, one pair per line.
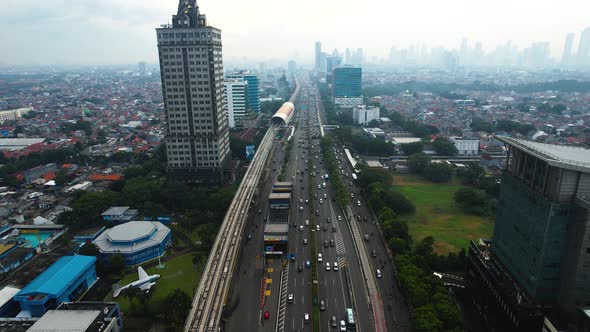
342, 326
327, 266
325, 195
304, 241
335, 266
358, 203
320, 257
306, 318
339, 218
301, 227
317, 228
321, 201
291, 298
301, 208
306, 222
378, 272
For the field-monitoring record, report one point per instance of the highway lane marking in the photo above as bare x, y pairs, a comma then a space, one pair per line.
343, 294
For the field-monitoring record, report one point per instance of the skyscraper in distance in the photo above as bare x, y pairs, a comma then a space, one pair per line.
318, 55
292, 67
141, 68
283, 90
583, 55
331, 63
566, 58
347, 57
191, 66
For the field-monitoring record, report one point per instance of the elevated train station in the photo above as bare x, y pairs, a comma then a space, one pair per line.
283, 116
276, 229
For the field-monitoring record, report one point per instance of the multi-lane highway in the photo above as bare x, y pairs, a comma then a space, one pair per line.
395, 314
244, 290
209, 299
338, 289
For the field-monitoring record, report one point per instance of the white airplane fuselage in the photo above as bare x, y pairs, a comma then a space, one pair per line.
143, 284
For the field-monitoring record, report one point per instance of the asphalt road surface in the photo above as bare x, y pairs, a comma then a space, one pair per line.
341, 289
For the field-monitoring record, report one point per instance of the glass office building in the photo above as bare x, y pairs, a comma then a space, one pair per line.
347, 86
253, 89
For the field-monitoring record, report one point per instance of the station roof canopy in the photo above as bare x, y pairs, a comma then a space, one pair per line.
279, 196
276, 228
283, 115
283, 184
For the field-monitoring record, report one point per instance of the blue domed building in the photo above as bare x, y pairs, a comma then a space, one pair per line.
137, 241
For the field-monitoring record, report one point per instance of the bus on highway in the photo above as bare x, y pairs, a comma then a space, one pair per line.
350, 319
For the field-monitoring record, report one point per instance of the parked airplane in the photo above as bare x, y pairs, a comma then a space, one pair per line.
144, 283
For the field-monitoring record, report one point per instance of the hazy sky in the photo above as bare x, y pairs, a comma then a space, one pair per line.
122, 31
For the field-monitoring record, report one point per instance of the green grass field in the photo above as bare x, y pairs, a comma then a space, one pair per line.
437, 215
178, 273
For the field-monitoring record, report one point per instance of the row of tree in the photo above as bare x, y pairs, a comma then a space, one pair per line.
442, 145
365, 145
502, 125
474, 175
480, 197
171, 309
327, 145
434, 309
379, 193
420, 163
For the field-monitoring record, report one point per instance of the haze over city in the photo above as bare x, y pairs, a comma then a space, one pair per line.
120, 32
309, 166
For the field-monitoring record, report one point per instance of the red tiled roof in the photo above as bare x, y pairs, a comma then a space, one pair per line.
49, 176
105, 177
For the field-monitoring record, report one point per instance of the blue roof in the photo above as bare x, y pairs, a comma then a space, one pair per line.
59, 276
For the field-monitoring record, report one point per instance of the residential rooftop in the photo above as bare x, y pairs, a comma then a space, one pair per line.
58, 277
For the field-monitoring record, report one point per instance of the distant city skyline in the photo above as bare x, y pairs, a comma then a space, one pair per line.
87, 32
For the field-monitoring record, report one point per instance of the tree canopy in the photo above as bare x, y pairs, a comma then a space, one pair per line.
417, 162
444, 147
412, 148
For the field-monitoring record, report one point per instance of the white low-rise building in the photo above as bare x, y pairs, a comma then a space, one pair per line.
466, 146
14, 114
363, 114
